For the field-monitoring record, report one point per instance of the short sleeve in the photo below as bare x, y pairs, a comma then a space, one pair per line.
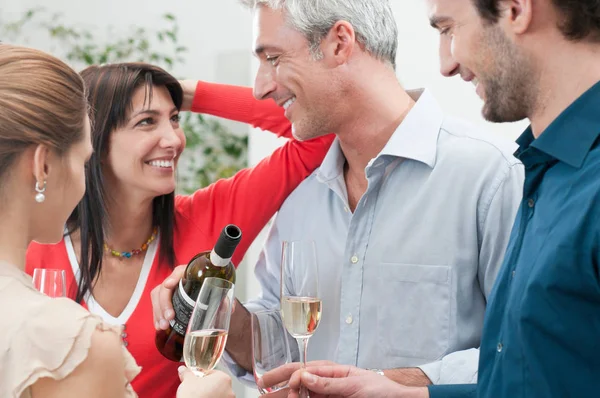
50, 340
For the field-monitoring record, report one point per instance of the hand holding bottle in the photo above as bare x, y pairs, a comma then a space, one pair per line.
162, 296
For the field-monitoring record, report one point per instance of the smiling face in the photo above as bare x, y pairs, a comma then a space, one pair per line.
290, 75
144, 151
482, 53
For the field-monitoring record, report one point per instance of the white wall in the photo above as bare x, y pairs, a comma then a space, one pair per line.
208, 28
219, 33
418, 66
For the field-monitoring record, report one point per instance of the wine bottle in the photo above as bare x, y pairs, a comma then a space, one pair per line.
216, 264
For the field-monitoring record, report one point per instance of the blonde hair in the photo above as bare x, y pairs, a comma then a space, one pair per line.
42, 101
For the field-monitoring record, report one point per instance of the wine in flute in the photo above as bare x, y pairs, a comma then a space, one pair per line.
300, 298
204, 348
301, 315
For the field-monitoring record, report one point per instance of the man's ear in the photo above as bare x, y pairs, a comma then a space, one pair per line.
340, 42
517, 15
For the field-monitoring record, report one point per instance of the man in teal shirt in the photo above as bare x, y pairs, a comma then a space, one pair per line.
538, 60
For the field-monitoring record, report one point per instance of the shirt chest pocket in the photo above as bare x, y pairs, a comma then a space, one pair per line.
413, 314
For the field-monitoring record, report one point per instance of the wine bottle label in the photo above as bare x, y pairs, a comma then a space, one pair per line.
183, 306
217, 260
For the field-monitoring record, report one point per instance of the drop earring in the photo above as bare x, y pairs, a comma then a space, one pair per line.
40, 197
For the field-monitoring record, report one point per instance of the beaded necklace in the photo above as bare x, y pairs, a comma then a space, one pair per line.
135, 251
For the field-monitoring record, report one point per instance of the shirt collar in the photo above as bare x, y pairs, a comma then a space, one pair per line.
333, 164
572, 134
415, 138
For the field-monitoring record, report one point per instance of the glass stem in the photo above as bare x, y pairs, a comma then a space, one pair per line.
303, 347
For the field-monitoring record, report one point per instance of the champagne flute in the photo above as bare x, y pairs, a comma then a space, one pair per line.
270, 346
207, 330
51, 282
300, 298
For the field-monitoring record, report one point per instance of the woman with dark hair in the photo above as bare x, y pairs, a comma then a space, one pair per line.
130, 229
53, 348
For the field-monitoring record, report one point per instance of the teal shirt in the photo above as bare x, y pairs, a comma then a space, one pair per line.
541, 336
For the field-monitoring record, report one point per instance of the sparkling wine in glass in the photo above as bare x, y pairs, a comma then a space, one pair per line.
270, 346
207, 331
301, 305
51, 282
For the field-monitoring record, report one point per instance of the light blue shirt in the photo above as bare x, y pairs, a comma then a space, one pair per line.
405, 278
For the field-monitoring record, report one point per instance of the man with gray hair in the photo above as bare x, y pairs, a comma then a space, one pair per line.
540, 335
410, 211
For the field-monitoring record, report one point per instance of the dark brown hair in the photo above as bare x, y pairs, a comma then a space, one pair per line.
42, 101
579, 19
110, 92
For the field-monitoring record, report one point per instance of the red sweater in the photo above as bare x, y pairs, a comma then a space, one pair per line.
249, 200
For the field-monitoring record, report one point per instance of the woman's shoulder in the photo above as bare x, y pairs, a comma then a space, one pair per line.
49, 338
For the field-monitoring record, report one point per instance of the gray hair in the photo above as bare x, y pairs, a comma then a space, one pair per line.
373, 22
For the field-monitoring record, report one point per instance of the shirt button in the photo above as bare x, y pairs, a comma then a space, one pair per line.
354, 259
349, 319
513, 273
346, 209
499, 348
530, 202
